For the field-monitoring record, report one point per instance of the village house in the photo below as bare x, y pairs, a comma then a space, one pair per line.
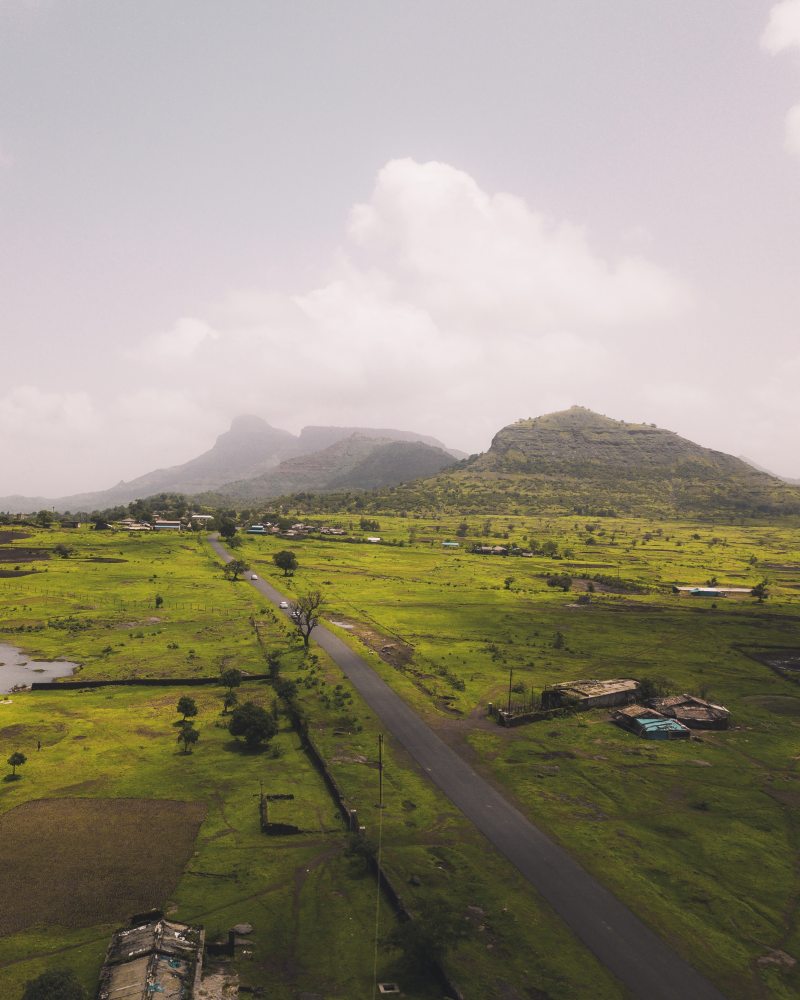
585, 694
152, 958
649, 724
696, 713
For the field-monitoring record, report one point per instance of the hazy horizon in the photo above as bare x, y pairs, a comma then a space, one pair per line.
440, 218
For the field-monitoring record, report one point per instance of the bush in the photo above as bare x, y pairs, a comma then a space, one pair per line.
55, 984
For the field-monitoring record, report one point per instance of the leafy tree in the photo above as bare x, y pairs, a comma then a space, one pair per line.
231, 700
234, 543
55, 984
305, 612
187, 707
159, 600
234, 569
65, 551
44, 518
428, 938
562, 580
16, 760
231, 678
227, 526
559, 640
462, 530
761, 591
188, 735
507, 582
253, 723
285, 560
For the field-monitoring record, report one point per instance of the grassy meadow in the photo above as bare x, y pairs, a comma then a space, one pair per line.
311, 900
699, 837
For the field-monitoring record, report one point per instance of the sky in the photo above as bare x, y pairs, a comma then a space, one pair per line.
436, 215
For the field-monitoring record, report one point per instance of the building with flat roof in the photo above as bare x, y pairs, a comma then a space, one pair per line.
590, 693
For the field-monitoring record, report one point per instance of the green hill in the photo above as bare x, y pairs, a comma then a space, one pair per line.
355, 463
582, 462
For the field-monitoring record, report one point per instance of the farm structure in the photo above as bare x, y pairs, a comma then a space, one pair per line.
586, 694
711, 591
160, 525
650, 724
151, 958
696, 713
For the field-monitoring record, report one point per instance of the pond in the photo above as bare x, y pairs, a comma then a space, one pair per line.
17, 668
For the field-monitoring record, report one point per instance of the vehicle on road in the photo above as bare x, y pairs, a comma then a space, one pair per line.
284, 604
253, 576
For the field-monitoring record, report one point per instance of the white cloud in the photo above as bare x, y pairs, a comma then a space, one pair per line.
29, 412
182, 341
442, 295
783, 27
447, 310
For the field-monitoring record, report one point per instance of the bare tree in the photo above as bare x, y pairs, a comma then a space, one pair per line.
305, 612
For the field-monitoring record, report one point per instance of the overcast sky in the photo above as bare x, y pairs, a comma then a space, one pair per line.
439, 215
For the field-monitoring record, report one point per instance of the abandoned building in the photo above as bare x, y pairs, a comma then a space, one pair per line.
151, 958
590, 693
650, 724
696, 713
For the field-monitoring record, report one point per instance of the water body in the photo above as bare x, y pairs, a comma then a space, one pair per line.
17, 668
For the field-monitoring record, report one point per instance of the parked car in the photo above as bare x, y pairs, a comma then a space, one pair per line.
253, 576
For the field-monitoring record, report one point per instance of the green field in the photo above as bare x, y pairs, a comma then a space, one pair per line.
307, 897
701, 837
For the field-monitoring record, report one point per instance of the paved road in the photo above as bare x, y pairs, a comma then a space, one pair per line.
639, 958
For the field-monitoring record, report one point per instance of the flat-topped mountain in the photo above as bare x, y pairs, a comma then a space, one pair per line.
581, 461
248, 450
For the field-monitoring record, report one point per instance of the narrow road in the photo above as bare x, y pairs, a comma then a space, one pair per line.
638, 957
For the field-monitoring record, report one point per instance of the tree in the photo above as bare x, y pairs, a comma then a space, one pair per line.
234, 569
562, 580
235, 542
16, 760
427, 938
253, 723
305, 612
55, 984
231, 700
44, 518
187, 707
159, 600
231, 678
188, 736
285, 560
227, 526
761, 591
65, 551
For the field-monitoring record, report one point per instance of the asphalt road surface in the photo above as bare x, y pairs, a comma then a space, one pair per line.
638, 957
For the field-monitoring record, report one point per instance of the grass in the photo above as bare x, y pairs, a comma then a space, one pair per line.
700, 838
306, 897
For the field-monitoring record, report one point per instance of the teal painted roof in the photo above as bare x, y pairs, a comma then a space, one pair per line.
660, 725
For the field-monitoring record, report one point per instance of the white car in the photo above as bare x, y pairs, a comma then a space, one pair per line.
253, 576
284, 604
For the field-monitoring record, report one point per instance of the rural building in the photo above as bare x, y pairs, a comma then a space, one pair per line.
650, 724
590, 693
711, 591
160, 525
202, 517
451, 545
256, 529
155, 958
374, 540
696, 713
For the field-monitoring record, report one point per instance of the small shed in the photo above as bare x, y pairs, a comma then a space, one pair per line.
591, 693
660, 729
696, 713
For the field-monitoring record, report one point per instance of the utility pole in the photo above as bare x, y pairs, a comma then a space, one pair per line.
510, 677
380, 770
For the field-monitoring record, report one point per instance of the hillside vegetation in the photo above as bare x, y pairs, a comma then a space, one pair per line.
582, 462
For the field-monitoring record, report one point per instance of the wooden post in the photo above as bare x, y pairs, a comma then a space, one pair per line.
510, 677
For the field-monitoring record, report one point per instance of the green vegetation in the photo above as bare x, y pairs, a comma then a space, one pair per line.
58, 984
672, 828
113, 750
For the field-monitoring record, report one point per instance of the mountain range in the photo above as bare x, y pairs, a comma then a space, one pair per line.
276, 461
574, 460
